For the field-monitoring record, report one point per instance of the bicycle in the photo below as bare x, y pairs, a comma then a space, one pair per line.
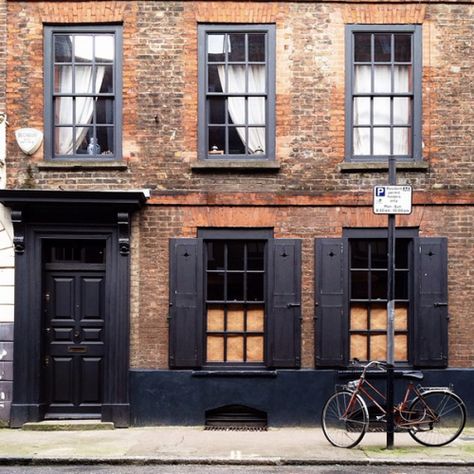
433, 416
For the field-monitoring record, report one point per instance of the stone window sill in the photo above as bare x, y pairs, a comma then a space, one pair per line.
81, 165
235, 373
367, 167
240, 165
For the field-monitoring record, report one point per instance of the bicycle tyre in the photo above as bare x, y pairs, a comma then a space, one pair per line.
450, 419
344, 432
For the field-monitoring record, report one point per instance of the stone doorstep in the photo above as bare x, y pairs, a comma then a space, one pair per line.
68, 425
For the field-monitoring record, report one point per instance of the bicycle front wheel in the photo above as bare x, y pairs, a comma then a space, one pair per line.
441, 415
344, 419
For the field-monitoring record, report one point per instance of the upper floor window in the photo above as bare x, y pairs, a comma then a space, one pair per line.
383, 92
83, 89
236, 91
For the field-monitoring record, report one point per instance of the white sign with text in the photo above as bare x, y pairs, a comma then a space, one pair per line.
392, 199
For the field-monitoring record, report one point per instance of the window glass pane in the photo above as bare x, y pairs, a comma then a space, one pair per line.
215, 318
362, 79
235, 318
358, 347
256, 140
359, 282
215, 78
255, 349
361, 110
63, 140
378, 347
401, 141
362, 47
235, 256
84, 110
401, 110
236, 140
83, 48
359, 254
62, 48
382, 47
216, 140
361, 141
63, 110
215, 255
236, 47
105, 140
256, 110
378, 317
255, 318
256, 47
236, 78
402, 48
83, 79
236, 110
104, 110
235, 348
382, 79
381, 110
235, 286
104, 48
216, 110
105, 80
401, 316
401, 253
379, 254
215, 47
379, 285
400, 348
83, 138
401, 285
255, 255
359, 317
215, 349
381, 141
215, 286
257, 78
63, 79
402, 79
255, 287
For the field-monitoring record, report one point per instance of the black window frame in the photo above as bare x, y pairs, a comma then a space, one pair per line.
203, 94
416, 94
49, 94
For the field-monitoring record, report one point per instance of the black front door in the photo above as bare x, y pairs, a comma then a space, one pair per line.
74, 306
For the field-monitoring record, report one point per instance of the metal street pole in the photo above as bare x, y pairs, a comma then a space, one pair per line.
392, 180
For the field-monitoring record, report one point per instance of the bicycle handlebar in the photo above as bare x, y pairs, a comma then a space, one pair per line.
372, 363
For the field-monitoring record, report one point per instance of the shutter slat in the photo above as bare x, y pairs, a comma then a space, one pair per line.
331, 327
431, 311
284, 303
185, 303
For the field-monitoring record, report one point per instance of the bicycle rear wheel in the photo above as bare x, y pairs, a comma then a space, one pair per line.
442, 416
344, 419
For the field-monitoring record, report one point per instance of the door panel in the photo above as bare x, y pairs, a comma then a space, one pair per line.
74, 346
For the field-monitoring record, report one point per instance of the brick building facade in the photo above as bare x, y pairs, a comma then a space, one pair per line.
164, 117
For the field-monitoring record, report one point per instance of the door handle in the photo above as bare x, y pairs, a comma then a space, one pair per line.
293, 305
439, 304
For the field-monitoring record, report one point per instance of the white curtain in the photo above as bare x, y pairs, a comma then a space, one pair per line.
381, 110
84, 106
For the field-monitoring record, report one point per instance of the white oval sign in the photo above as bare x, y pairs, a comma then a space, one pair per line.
29, 139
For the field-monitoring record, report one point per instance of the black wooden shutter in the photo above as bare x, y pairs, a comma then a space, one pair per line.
185, 303
284, 303
331, 326
431, 303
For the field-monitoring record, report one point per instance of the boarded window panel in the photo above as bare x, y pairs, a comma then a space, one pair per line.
215, 319
378, 317
378, 347
255, 318
401, 317
358, 317
359, 347
235, 318
401, 348
255, 349
215, 349
235, 349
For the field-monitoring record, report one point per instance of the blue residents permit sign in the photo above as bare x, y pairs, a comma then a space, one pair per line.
392, 199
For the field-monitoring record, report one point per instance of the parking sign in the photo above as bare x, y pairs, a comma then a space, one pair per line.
392, 199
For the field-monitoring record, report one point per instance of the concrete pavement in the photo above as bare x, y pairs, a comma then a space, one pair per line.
194, 445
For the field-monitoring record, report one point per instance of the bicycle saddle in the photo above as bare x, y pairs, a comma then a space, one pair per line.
412, 374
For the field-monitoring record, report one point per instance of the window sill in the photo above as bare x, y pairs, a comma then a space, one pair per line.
241, 165
81, 165
235, 373
356, 167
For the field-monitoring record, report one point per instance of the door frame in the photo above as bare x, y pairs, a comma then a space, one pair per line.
40, 215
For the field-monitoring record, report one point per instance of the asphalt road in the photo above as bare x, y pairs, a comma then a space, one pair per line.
199, 469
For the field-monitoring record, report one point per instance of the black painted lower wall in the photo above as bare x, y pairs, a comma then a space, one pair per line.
289, 397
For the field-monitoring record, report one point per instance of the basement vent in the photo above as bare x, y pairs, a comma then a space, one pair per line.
236, 418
